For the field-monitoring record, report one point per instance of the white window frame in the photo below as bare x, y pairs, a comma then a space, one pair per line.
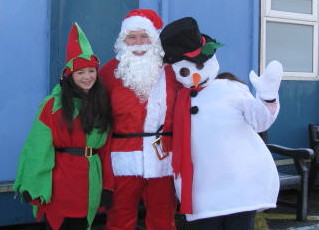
289, 15
269, 15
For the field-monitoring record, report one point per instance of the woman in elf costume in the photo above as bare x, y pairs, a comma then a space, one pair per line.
59, 171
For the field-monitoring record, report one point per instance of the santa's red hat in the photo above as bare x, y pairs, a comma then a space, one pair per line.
142, 19
79, 53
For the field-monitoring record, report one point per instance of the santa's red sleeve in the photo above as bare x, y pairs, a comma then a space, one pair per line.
107, 172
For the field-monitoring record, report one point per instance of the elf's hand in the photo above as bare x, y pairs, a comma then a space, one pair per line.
26, 197
267, 85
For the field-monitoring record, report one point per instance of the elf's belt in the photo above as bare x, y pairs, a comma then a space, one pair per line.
131, 135
87, 151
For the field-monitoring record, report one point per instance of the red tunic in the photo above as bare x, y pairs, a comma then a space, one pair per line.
70, 176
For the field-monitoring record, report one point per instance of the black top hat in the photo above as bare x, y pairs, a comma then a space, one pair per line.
182, 40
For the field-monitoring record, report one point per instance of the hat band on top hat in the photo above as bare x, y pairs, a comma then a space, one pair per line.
197, 51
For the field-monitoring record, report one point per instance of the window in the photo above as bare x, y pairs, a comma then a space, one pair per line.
289, 34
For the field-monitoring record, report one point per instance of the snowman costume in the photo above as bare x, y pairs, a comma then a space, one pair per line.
221, 164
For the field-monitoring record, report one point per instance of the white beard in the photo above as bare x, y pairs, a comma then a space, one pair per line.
139, 73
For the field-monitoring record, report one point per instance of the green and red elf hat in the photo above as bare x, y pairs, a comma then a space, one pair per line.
79, 53
182, 40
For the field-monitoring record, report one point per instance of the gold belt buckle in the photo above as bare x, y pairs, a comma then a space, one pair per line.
157, 146
88, 151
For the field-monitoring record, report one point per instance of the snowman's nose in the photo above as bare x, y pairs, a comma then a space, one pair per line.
196, 79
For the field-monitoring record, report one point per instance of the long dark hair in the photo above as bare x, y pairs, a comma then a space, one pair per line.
229, 76
95, 109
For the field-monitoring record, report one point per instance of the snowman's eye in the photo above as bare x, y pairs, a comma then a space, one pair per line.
199, 66
184, 72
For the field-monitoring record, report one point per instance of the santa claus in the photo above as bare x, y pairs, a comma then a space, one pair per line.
142, 93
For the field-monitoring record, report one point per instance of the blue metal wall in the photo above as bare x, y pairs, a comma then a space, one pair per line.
232, 22
299, 107
24, 58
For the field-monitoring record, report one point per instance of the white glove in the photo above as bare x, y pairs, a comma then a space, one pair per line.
267, 85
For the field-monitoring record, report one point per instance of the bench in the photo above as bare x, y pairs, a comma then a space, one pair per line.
297, 180
314, 144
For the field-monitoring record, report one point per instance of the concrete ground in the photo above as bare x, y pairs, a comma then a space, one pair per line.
281, 218
284, 216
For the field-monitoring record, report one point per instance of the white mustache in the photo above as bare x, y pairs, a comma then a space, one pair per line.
139, 48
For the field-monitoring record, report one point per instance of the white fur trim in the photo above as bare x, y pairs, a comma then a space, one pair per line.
137, 23
127, 163
134, 163
156, 105
155, 117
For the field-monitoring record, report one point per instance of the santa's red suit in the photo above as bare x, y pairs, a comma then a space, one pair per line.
138, 172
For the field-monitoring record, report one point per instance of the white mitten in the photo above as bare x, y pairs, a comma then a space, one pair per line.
267, 85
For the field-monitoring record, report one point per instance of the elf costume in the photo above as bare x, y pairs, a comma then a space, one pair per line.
60, 169
221, 165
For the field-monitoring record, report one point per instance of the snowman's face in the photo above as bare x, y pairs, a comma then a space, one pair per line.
188, 72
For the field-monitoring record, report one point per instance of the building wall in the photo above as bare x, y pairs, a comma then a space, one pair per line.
299, 104
24, 58
233, 23
299, 107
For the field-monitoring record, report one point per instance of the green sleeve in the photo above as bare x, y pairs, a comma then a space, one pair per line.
36, 162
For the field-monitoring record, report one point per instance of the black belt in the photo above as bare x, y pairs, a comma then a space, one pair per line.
130, 135
87, 151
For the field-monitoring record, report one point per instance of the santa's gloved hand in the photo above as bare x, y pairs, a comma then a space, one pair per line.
106, 198
267, 85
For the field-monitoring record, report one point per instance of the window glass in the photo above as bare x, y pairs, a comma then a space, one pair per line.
292, 44
294, 6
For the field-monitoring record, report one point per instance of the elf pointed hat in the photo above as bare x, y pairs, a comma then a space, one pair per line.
79, 53
142, 19
182, 40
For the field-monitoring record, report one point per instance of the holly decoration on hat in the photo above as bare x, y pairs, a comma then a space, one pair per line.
209, 47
